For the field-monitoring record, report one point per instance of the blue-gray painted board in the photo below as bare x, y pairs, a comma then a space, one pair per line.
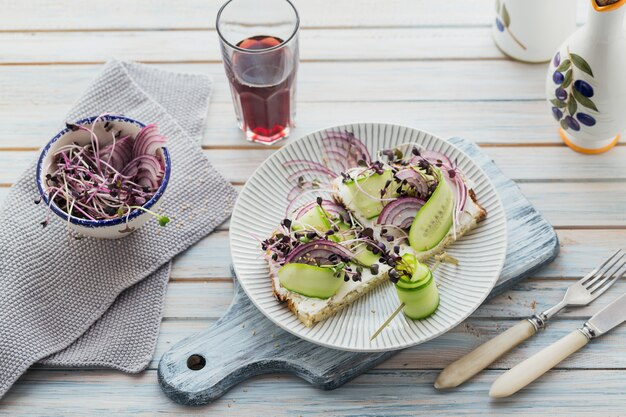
244, 343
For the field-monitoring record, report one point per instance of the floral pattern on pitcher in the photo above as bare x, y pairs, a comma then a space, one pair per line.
572, 97
503, 21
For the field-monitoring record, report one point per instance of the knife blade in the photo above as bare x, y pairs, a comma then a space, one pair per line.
532, 368
609, 317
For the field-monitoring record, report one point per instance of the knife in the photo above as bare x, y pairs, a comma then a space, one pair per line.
532, 368
580, 293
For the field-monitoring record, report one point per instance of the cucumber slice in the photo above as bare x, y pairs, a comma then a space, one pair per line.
309, 280
434, 219
366, 257
410, 265
414, 285
419, 302
420, 273
371, 186
363, 255
314, 218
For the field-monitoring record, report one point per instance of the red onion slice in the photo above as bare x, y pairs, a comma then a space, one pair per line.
148, 141
415, 179
332, 208
311, 166
347, 142
400, 212
119, 153
318, 251
338, 157
301, 172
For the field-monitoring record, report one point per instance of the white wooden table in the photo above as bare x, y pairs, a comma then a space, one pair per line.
427, 64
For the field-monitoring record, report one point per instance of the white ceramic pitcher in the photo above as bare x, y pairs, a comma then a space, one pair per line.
530, 30
585, 85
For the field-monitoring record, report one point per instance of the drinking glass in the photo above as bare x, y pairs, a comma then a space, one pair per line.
259, 42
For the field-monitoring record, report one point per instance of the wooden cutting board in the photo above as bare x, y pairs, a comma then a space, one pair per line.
243, 343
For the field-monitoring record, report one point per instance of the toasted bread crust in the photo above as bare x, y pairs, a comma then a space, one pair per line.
293, 299
332, 308
481, 209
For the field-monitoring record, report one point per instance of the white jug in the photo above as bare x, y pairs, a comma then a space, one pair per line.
530, 30
585, 85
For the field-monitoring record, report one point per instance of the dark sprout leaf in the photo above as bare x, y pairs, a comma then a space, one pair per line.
581, 64
506, 19
568, 79
571, 105
584, 100
558, 103
564, 125
564, 65
163, 220
71, 126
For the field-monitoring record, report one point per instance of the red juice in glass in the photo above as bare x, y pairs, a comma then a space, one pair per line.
261, 66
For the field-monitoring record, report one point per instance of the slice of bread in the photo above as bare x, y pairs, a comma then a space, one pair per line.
312, 310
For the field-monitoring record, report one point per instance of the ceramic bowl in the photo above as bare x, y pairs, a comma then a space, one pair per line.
109, 228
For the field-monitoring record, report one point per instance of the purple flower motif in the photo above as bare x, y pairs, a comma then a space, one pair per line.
558, 77
583, 88
586, 119
499, 24
571, 122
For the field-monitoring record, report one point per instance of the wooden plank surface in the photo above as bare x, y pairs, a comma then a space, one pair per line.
358, 44
172, 14
413, 62
503, 103
377, 81
527, 122
522, 164
200, 14
374, 393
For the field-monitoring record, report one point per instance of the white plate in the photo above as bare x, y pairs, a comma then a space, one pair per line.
261, 206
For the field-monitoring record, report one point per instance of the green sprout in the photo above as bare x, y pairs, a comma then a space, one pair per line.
163, 220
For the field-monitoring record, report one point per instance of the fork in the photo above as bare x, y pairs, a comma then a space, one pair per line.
581, 293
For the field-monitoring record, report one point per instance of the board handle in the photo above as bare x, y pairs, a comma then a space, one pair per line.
242, 344
484, 355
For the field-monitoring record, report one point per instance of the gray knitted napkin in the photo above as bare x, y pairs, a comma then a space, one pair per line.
92, 302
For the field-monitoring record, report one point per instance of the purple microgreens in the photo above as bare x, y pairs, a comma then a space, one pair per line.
97, 182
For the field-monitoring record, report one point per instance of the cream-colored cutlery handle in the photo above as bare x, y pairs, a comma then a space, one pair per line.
532, 368
484, 355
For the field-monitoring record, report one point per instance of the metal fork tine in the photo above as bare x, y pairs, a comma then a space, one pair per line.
605, 285
608, 273
605, 273
595, 271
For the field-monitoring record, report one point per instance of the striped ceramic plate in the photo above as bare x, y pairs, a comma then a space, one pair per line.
261, 207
